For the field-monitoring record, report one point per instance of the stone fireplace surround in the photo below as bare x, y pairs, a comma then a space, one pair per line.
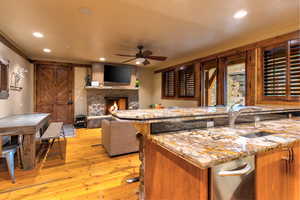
96, 99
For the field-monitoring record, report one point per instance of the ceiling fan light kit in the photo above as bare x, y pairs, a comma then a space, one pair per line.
142, 56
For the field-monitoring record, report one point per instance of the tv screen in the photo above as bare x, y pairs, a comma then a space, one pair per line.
117, 74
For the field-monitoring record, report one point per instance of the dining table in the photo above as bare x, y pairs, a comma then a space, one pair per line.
30, 126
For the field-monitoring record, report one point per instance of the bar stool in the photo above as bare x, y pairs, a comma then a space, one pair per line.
8, 151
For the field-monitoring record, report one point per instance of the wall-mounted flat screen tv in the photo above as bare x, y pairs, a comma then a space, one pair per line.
117, 74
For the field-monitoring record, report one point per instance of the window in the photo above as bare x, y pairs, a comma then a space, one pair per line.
3, 81
186, 82
168, 80
236, 83
294, 68
281, 71
210, 82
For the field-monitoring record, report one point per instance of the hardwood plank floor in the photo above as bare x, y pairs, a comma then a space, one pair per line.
85, 173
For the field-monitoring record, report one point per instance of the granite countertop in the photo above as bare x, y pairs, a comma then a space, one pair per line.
154, 114
209, 147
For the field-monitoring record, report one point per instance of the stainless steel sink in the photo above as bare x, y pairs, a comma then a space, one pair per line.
257, 134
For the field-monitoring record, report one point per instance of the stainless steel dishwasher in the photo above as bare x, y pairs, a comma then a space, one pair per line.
234, 180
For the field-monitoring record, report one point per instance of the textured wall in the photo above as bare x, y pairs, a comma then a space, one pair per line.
18, 101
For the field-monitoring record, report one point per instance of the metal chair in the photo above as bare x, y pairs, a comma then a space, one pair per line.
8, 152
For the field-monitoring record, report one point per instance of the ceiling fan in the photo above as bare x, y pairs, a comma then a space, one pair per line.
142, 56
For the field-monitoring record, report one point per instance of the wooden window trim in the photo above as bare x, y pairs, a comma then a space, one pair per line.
4, 80
176, 85
3, 77
287, 97
184, 69
164, 96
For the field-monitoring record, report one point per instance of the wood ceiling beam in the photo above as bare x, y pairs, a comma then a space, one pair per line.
67, 64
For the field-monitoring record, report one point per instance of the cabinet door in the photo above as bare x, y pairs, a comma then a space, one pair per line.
294, 175
271, 178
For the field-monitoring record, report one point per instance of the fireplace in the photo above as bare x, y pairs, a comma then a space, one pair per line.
119, 103
97, 100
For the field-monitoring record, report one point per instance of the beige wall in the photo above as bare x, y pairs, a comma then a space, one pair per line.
145, 75
19, 101
80, 100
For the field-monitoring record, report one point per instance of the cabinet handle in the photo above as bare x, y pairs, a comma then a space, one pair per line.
286, 160
292, 155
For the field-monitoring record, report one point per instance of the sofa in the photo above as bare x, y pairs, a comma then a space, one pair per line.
119, 137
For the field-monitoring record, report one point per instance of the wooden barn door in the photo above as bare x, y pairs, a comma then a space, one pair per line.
54, 91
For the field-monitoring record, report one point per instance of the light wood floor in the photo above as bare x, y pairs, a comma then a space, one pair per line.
85, 173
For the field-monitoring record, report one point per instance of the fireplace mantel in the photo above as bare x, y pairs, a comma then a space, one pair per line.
110, 88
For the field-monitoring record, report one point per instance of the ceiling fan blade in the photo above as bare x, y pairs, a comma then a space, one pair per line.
147, 53
146, 62
125, 55
131, 59
160, 58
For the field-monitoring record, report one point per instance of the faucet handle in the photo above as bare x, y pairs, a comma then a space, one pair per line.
235, 104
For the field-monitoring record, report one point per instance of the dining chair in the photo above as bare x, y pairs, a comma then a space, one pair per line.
8, 150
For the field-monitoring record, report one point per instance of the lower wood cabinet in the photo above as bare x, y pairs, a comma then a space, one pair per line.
294, 175
169, 177
278, 174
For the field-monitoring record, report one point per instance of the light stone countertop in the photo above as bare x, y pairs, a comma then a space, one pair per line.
209, 147
175, 113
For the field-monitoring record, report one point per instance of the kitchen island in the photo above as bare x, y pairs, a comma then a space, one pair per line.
180, 154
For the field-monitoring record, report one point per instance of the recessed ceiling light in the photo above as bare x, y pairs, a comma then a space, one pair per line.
38, 34
240, 14
102, 59
137, 62
46, 50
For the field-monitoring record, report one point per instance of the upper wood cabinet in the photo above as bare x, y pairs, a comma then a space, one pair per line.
3, 80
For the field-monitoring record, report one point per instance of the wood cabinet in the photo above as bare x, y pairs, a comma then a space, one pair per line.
167, 176
278, 174
294, 175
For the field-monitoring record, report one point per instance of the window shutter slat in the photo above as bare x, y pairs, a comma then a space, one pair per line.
169, 81
274, 73
187, 82
294, 58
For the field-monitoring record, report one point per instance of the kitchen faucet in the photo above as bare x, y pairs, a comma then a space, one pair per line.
236, 109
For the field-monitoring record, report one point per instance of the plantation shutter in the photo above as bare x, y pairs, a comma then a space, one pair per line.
294, 63
169, 83
187, 82
275, 67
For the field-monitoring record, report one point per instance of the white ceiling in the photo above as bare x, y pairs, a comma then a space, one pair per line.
172, 28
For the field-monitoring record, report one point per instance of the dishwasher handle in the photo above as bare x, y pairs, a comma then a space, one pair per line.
239, 172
